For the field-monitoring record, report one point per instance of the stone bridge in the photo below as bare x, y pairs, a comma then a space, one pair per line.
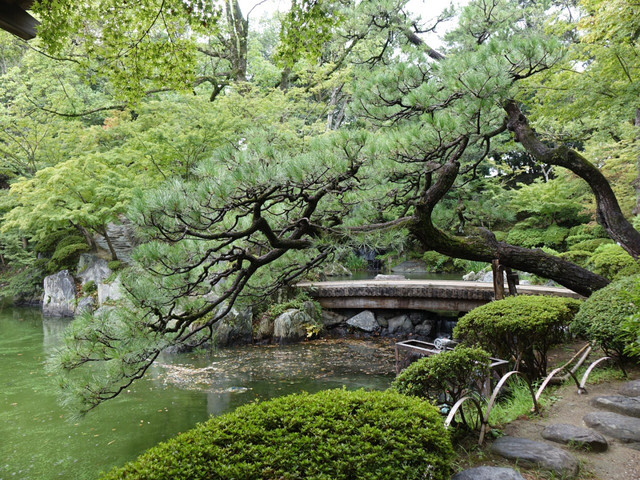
432, 295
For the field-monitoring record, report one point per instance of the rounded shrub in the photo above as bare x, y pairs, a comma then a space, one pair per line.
334, 434
519, 328
602, 315
612, 261
456, 372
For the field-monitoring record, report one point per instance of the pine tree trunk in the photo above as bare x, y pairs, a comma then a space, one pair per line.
482, 245
608, 212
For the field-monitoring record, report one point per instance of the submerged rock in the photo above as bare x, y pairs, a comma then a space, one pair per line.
365, 321
59, 295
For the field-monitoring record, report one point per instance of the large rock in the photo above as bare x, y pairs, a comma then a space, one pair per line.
331, 319
109, 291
529, 453
623, 428
411, 266
424, 329
618, 403
400, 324
576, 436
59, 295
336, 270
488, 473
364, 321
234, 329
488, 278
264, 331
472, 276
93, 269
292, 325
631, 389
85, 304
381, 276
122, 236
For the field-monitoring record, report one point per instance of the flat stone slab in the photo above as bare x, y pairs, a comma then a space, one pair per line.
579, 437
623, 428
629, 406
536, 454
631, 389
488, 473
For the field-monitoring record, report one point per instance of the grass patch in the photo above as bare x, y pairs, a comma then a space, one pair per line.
517, 403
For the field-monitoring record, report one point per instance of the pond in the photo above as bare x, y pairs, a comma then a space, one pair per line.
40, 440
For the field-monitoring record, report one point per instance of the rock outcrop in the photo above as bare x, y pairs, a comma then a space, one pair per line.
59, 295
365, 321
234, 329
295, 325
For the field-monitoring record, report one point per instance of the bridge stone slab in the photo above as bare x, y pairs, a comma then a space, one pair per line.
413, 294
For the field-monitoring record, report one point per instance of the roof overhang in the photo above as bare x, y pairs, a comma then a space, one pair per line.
15, 19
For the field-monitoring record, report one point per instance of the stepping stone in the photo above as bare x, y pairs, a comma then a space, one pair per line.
579, 437
623, 428
488, 473
631, 389
536, 454
629, 406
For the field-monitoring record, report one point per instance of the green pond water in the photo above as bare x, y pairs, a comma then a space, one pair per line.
40, 440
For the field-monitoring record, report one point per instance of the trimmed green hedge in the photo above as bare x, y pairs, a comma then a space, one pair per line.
601, 316
522, 327
331, 435
456, 372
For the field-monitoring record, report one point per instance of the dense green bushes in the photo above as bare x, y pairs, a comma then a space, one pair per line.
522, 327
456, 372
334, 434
602, 315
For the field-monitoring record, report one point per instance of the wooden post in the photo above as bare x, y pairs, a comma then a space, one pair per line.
512, 281
498, 280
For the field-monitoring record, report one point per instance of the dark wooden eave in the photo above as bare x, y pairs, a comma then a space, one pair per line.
15, 19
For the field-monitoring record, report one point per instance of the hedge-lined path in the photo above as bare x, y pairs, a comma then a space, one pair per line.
619, 460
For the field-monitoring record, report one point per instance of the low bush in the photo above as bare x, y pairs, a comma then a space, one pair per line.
519, 328
612, 261
601, 317
334, 434
456, 372
66, 253
590, 245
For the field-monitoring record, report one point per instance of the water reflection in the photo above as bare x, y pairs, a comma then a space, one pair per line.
39, 441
